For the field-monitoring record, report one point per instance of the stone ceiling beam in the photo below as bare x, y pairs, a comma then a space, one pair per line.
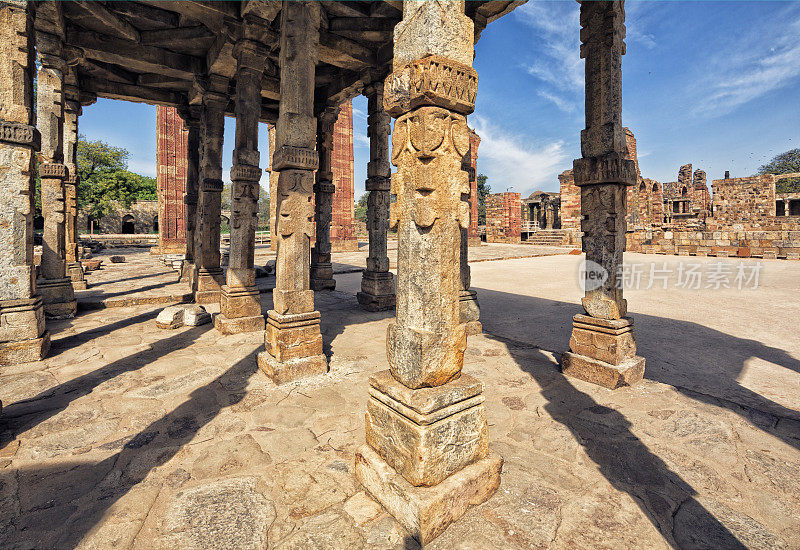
176, 39
128, 92
146, 17
109, 19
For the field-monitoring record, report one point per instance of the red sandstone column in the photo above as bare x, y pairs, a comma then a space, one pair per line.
171, 175
343, 238
473, 239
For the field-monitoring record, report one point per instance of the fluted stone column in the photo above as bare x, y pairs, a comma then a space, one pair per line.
71, 113
191, 119
602, 346
209, 201
427, 455
23, 337
53, 284
293, 340
240, 303
377, 282
321, 267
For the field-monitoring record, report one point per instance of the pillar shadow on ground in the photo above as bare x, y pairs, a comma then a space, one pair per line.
624, 460
703, 363
115, 281
60, 345
23, 415
79, 494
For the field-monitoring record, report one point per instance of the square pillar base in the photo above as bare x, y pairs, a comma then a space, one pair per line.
58, 298
603, 351
377, 291
240, 310
293, 347
75, 273
25, 351
209, 285
427, 511
322, 276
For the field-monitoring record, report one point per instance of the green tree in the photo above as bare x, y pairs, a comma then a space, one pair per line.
105, 181
361, 208
483, 190
785, 163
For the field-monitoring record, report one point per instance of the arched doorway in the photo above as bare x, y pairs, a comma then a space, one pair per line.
155, 223
128, 224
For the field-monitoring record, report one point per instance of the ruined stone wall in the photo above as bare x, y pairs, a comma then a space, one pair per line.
343, 237
503, 218
145, 216
171, 177
744, 200
570, 203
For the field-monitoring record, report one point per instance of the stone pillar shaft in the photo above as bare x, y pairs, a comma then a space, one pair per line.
407, 456
293, 340
209, 202
603, 347
54, 285
377, 282
240, 304
192, 122
469, 310
74, 267
273, 193
23, 337
321, 268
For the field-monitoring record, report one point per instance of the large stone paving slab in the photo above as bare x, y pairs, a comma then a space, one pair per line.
129, 436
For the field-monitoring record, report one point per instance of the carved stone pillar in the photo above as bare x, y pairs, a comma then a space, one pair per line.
209, 201
191, 119
273, 192
240, 303
71, 113
602, 346
293, 339
427, 455
548, 214
470, 311
53, 284
321, 268
23, 337
377, 282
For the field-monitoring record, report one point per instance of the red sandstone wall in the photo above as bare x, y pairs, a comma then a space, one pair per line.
503, 218
343, 237
171, 180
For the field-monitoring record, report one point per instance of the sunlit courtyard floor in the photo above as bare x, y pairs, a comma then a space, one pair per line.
128, 436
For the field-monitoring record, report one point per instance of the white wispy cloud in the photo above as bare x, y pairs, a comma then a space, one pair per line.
564, 104
360, 140
511, 161
751, 66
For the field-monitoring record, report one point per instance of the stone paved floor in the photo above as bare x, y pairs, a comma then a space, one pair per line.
132, 437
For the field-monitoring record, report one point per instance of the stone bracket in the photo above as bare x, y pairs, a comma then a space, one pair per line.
300, 158
432, 80
52, 170
21, 134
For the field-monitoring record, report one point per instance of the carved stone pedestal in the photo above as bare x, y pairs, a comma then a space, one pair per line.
377, 291
58, 297
470, 312
209, 285
603, 351
293, 347
75, 273
427, 454
322, 272
23, 337
240, 310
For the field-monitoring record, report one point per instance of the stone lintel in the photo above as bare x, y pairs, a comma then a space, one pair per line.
432, 80
20, 134
627, 373
25, 351
610, 168
427, 400
427, 511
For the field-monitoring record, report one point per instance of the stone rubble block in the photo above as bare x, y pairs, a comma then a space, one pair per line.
195, 315
117, 259
170, 317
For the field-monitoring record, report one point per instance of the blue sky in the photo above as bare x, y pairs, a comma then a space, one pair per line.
714, 84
